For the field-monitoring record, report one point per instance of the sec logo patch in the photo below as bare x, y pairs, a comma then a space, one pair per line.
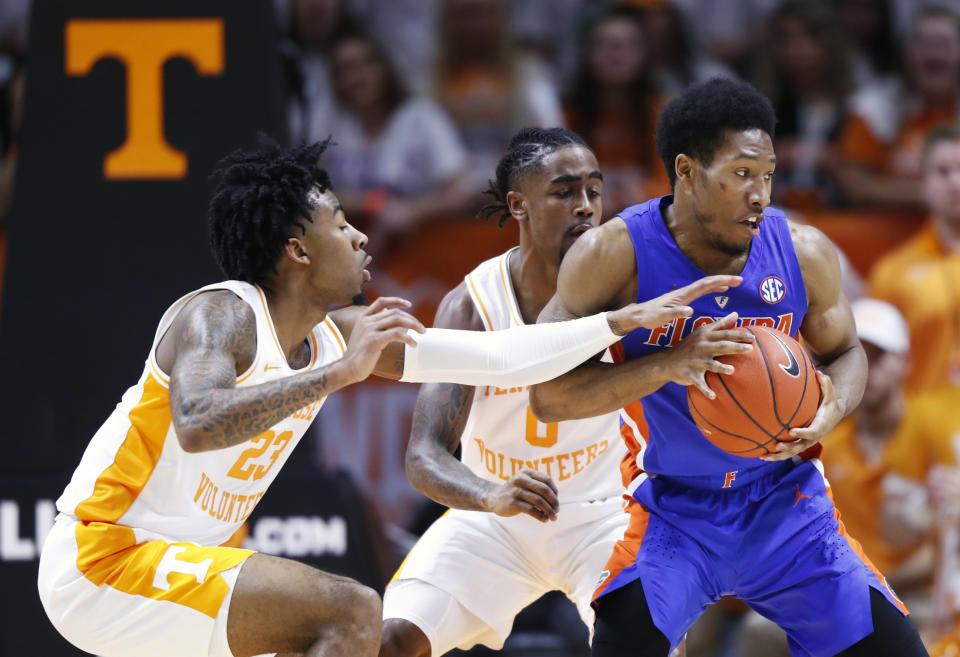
772, 290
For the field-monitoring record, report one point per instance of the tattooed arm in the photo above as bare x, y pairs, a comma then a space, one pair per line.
214, 338
438, 421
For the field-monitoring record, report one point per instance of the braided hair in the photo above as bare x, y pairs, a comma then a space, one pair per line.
260, 199
526, 152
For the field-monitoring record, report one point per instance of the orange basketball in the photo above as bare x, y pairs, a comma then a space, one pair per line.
774, 388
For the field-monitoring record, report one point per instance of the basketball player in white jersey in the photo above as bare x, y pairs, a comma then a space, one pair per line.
482, 562
236, 373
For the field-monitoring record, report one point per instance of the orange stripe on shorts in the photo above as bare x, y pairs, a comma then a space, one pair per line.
625, 551
858, 550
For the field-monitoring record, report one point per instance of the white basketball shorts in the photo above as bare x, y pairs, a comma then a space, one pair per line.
111, 594
490, 568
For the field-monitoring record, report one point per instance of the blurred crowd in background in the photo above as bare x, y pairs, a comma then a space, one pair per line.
421, 97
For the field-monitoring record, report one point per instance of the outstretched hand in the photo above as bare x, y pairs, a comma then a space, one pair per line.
667, 307
382, 323
530, 492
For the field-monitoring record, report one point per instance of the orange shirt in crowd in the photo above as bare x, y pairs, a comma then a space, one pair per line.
935, 440
948, 646
934, 435
922, 279
859, 145
857, 488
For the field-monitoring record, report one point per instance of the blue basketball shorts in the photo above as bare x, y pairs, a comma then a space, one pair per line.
776, 542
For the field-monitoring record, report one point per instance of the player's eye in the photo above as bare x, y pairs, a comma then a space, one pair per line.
768, 176
594, 193
562, 193
743, 173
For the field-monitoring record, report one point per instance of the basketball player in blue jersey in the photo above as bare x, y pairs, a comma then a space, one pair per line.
708, 524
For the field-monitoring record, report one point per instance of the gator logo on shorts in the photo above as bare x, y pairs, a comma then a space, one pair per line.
603, 578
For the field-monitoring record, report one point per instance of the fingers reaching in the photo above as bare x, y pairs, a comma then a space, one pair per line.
382, 303
401, 335
726, 323
706, 285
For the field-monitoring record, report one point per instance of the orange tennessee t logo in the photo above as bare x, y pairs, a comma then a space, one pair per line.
730, 478
142, 46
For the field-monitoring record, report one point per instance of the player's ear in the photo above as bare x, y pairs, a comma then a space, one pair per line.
296, 251
683, 166
517, 205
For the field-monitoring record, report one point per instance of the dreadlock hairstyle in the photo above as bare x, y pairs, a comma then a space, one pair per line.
525, 153
697, 121
259, 200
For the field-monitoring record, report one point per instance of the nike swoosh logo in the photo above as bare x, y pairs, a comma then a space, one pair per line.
267, 368
793, 369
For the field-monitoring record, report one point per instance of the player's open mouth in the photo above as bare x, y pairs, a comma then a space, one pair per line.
364, 266
578, 230
752, 223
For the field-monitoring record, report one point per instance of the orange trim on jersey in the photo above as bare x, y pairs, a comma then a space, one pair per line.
335, 332
858, 550
634, 411
506, 288
626, 549
109, 554
476, 296
629, 469
266, 309
316, 350
117, 487
249, 373
617, 353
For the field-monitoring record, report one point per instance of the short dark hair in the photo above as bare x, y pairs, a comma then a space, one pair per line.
696, 122
940, 134
259, 200
525, 153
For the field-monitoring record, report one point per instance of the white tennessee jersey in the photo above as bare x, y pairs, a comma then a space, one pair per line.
503, 436
134, 472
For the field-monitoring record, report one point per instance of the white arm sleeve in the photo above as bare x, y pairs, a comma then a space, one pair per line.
518, 356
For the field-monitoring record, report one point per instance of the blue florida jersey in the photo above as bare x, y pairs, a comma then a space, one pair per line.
771, 294
709, 523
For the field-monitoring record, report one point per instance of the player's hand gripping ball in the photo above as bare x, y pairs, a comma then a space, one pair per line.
773, 389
